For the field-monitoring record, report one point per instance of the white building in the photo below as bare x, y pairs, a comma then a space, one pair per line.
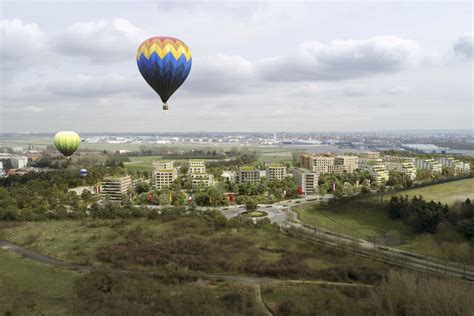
19, 162
115, 187
403, 166
456, 165
228, 175
428, 164
376, 168
197, 171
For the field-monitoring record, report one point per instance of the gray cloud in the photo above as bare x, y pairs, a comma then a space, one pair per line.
464, 45
343, 59
102, 41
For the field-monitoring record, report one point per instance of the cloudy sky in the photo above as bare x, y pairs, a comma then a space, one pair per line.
257, 66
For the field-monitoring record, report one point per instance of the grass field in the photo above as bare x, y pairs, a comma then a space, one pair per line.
27, 287
366, 221
247, 251
449, 192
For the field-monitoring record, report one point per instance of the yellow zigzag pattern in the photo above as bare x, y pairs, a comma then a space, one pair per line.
163, 50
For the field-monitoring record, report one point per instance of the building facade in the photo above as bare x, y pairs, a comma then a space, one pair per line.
306, 179
428, 164
458, 166
248, 174
19, 162
329, 163
403, 166
275, 171
163, 174
115, 187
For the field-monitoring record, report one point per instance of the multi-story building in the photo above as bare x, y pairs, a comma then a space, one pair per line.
370, 155
403, 166
197, 172
196, 166
377, 170
350, 163
328, 163
1, 165
456, 165
19, 162
115, 187
428, 164
248, 174
164, 173
275, 171
306, 179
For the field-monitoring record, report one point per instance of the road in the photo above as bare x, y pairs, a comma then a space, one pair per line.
253, 280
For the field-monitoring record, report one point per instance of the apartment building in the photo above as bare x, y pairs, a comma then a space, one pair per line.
457, 165
197, 172
275, 171
163, 174
428, 164
115, 187
248, 174
403, 166
196, 167
306, 179
329, 163
377, 170
370, 155
19, 162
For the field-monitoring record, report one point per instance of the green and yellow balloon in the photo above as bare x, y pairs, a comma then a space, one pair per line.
67, 142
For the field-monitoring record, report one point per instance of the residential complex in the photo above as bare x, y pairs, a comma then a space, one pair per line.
248, 174
456, 165
164, 173
403, 166
197, 172
115, 187
275, 171
306, 179
329, 163
19, 162
377, 170
370, 155
428, 164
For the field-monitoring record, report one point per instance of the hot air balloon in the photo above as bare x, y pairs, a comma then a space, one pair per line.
83, 172
165, 63
67, 142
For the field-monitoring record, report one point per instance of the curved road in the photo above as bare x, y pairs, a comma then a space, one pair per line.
255, 281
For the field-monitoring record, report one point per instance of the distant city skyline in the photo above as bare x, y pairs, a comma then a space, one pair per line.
257, 66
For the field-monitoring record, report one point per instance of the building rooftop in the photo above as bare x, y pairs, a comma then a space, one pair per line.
249, 168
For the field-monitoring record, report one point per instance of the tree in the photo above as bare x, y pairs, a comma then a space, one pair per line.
250, 204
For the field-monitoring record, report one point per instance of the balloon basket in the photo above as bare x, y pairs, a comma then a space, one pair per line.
165, 107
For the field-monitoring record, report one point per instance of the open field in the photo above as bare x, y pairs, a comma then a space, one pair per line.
366, 221
313, 299
27, 286
197, 246
449, 192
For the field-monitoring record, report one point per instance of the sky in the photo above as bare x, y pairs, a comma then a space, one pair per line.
257, 66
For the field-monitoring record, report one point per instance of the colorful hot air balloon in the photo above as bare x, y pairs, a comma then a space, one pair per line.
164, 63
67, 142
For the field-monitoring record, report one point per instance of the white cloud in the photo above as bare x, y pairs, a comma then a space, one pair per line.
464, 45
22, 45
33, 108
343, 59
102, 41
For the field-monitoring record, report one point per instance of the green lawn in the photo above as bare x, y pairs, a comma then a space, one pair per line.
31, 288
449, 192
366, 221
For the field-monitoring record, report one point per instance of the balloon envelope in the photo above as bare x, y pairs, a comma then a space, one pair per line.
165, 63
67, 142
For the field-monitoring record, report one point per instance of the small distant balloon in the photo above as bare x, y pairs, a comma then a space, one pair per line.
83, 172
165, 63
67, 142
